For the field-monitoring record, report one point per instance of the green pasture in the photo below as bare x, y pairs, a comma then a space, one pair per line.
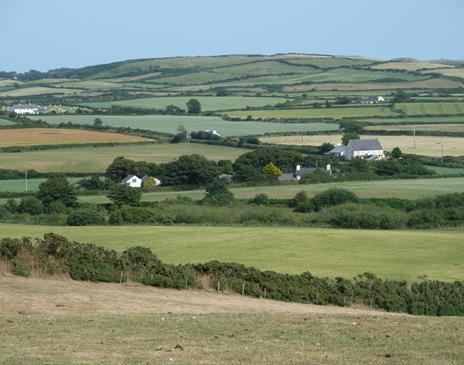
208, 103
418, 120
405, 254
5, 122
432, 108
170, 123
96, 159
335, 112
19, 185
330, 62
406, 189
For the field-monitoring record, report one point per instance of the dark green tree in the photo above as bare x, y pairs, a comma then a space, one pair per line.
188, 170
97, 122
125, 195
217, 193
193, 106
30, 205
347, 136
396, 152
57, 188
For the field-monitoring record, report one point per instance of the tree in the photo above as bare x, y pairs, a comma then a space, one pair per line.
97, 122
57, 188
396, 153
271, 169
217, 193
85, 217
173, 109
193, 106
326, 147
124, 195
181, 135
347, 136
332, 197
122, 167
188, 170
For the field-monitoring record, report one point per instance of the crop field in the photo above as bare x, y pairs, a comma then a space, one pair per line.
403, 254
170, 123
417, 120
454, 72
19, 185
52, 136
398, 188
36, 90
425, 145
65, 322
338, 112
208, 103
431, 108
5, 122
409, 66
96, 159
442, 127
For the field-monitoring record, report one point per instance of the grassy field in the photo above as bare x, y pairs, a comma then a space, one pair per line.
431, 108
417, 120
170, 123
406, 189
97, 159
5, 122
52, 136
195, 337
208, 103
347, 112
408, 66
36, 90
441, 127
425, 145
333, 252
19, 185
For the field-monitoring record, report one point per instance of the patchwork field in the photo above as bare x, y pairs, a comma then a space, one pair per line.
208, 103
442, 127
96, 159
326, 252
431, 108
417, 120
408, 66
406, 189
51, 136
170, 123
425, 145
84, 323
36, 90
339, 112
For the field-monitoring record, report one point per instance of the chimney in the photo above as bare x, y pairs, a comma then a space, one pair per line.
298, 167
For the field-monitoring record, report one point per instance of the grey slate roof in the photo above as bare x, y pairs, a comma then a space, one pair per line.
287, 177
364, 144
337, 150
127, 179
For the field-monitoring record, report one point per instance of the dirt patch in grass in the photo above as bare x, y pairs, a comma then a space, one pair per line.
51, 136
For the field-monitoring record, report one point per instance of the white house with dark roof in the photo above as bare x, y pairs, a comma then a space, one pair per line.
364, 148
132, 181
301, 171
368, 149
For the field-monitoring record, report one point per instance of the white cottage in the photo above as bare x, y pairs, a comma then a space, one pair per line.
132, 181
364, 148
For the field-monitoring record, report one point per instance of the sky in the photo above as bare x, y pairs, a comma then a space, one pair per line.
43, 35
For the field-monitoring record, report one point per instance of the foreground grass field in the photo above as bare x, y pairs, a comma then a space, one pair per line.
97, 159
406, 189
19, 185
425, 145
63, 322
170, 123
325, 252
53, 136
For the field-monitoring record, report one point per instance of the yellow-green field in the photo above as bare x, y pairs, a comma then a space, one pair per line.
425, 145
442, 127
97, 159
407, 254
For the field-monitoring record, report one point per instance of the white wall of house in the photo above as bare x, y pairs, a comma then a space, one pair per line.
362, 154
134, 182
26, 111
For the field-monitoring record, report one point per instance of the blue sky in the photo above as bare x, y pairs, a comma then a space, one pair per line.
48, 34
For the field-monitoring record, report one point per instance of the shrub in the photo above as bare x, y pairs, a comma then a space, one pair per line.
260, 199
333, 197
85, 217
125, 195
299, 198
217, 193
133, 215
20, 268
30, 205
56, 207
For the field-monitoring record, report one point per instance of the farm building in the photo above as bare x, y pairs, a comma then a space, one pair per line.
27, 109
368, 149
301, 171
132, 181
370, 100
150, 181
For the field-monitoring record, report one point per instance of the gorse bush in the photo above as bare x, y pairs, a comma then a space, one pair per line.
85, 217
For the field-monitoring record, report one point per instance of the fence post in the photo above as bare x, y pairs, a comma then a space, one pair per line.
218, 286
120, 277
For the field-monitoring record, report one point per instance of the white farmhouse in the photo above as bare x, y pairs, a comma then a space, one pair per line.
369, 149
27, 109
132, 181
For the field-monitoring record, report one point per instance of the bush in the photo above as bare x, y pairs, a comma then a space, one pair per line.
133, 215
260, 199
20, 268
85, 217
217, 193
333, 197
30, 205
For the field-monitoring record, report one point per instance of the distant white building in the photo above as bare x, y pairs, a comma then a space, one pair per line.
132, 181
27, 109
367, 149
372, 100
214, 132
